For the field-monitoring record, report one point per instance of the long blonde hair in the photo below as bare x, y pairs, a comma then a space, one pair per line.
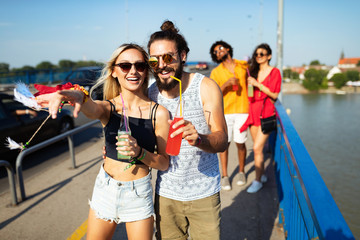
111, 86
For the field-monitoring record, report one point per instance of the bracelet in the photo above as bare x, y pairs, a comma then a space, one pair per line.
81, 88
27, 111
134, 159
261, 87
198, 141
143, 156
139, 153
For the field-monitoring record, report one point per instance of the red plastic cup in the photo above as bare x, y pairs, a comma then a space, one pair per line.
173, 144
235, 87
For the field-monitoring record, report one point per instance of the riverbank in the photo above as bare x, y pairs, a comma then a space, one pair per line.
297, 88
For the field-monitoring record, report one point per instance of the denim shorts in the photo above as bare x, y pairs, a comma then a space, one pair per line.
119, 201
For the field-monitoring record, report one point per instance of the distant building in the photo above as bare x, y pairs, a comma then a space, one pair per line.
348, 62
344, 65
300, 71
333, 71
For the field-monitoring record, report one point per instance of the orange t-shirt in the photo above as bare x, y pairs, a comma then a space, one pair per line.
234, 101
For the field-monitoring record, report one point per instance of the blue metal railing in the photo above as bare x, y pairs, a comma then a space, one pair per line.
307, 209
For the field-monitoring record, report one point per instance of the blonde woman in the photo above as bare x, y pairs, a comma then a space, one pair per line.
123, 191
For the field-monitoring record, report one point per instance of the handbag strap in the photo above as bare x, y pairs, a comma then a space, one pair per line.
266, 95
262, 108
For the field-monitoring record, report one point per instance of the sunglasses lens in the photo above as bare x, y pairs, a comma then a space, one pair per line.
140, 66
153, 62
125, 67
167, 58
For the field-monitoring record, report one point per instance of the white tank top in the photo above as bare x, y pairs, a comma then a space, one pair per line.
193, 174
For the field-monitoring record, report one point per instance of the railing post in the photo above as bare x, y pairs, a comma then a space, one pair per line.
10, 173
68, 134
71, 150
20, 176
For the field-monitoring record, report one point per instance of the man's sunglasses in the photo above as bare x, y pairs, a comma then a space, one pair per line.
260, 54
126, 66
154, 60
220, 48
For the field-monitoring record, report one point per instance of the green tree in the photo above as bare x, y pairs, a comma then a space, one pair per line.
4, 67
358, 64
27, 68
314, 63
87, 63
324, 83
287, 73
352, 75
294, 75
314, 79
339, 80
45, 65
66, 64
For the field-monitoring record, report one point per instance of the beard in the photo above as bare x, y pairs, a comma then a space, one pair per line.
168, 86
223, 58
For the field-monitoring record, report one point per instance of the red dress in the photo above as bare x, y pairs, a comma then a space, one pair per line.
273, 82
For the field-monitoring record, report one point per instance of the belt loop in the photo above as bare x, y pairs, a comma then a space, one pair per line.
107, 179
132, 185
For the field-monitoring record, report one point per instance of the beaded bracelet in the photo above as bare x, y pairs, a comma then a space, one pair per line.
81, 88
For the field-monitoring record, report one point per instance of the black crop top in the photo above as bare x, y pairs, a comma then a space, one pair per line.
141, 129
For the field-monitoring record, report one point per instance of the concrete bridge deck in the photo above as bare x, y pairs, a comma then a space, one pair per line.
57, 207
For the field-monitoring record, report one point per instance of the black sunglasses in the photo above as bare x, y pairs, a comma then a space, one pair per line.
260, 54
154, 60
126, 66
220, 48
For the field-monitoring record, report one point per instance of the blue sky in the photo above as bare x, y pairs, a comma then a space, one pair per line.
35, 31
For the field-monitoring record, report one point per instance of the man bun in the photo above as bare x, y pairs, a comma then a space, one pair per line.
171, 33
169, 26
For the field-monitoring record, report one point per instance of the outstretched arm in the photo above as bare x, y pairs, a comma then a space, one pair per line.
93, 110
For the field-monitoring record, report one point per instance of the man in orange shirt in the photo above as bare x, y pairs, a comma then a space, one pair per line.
230, 75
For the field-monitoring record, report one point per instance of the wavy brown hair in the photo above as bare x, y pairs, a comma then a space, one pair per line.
254, 67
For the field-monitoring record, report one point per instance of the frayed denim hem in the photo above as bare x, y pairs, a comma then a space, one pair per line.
118, 220
99, 216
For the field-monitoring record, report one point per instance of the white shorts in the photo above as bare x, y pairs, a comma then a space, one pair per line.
234, 123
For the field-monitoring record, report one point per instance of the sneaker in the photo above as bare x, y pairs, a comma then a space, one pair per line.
240, 179
255, 186
225, 183
263, 179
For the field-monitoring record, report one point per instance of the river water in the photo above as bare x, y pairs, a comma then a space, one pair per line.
329, 126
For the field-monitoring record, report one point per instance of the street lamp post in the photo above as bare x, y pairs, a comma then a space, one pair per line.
279, 55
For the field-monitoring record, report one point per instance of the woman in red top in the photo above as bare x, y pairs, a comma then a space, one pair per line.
267, 84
